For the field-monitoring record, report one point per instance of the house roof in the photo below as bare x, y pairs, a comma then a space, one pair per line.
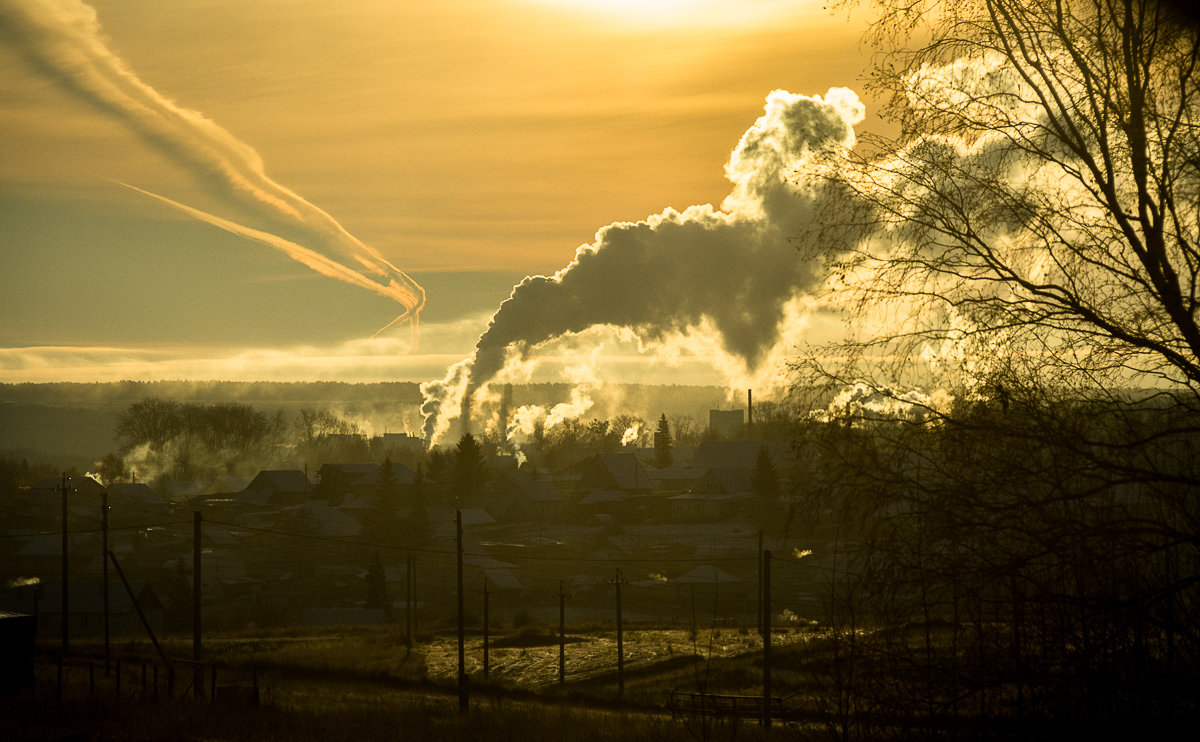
271, 482
138, 492
326, 521
476, 517
724, 481
620, 471
78, 486
470, 516
740, 454
224, 483
281, 480
503, 579
601, 497
534, 490
362, 475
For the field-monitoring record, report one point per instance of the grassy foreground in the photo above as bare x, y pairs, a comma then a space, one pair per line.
354, 684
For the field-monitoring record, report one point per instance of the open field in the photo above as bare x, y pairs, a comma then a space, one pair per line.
525, 660
360, 683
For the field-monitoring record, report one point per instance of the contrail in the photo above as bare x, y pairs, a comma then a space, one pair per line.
314, 260
63, 40
734, 269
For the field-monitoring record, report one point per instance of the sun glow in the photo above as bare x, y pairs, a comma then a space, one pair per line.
662, 13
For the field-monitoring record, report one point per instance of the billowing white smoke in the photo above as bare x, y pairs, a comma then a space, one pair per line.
862, 402
732, 270
62, 39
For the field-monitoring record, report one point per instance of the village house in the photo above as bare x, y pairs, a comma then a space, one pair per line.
276, 487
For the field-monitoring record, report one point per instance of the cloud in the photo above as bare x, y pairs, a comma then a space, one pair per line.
366, 360
729, 273
62, 39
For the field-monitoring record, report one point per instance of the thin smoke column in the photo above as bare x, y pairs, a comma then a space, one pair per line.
62, 39
733, 268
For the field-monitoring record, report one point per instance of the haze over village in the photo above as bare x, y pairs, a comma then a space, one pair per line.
680, 367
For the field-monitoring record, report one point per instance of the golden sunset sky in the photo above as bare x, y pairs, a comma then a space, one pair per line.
467, 142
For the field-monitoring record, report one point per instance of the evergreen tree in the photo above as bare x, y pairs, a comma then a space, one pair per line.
470, 471
764, 479
765, 482
386, 491
662, 443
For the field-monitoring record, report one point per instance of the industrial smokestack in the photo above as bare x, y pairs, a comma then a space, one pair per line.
465, 414
749, 411
505, 407
728, 275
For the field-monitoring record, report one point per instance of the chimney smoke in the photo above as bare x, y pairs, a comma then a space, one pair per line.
730, 273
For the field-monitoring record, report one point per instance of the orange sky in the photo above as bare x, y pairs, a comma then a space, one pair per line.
472, 139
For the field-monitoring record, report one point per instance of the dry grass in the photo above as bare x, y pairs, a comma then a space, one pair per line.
361, 683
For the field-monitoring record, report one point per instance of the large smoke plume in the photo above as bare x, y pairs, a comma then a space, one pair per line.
732, 271
62, 39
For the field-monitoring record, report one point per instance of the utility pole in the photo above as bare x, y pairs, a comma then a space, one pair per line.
760, 582
66, 545
486, 628
408, 602
104, 574
620, 641
197, 669
766, 612
695, 629
463, 699
562, 635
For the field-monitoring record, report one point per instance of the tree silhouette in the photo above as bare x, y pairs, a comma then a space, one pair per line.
385, 525
150, 422
1039, 206
200, 439
662, 443
387, 493
764, 478
112, 469
470, 471
1006, 465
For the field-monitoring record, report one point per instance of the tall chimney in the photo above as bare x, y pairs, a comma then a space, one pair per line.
749, 410
505, 408
465, 413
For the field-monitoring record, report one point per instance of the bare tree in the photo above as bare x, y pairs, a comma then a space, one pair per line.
150, 422
1020, 532
1041, 203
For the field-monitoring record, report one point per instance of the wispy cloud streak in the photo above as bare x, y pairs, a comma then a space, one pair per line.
63, 40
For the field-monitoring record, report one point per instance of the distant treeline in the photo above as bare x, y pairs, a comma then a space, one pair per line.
74, 425
122, 393
119, 394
